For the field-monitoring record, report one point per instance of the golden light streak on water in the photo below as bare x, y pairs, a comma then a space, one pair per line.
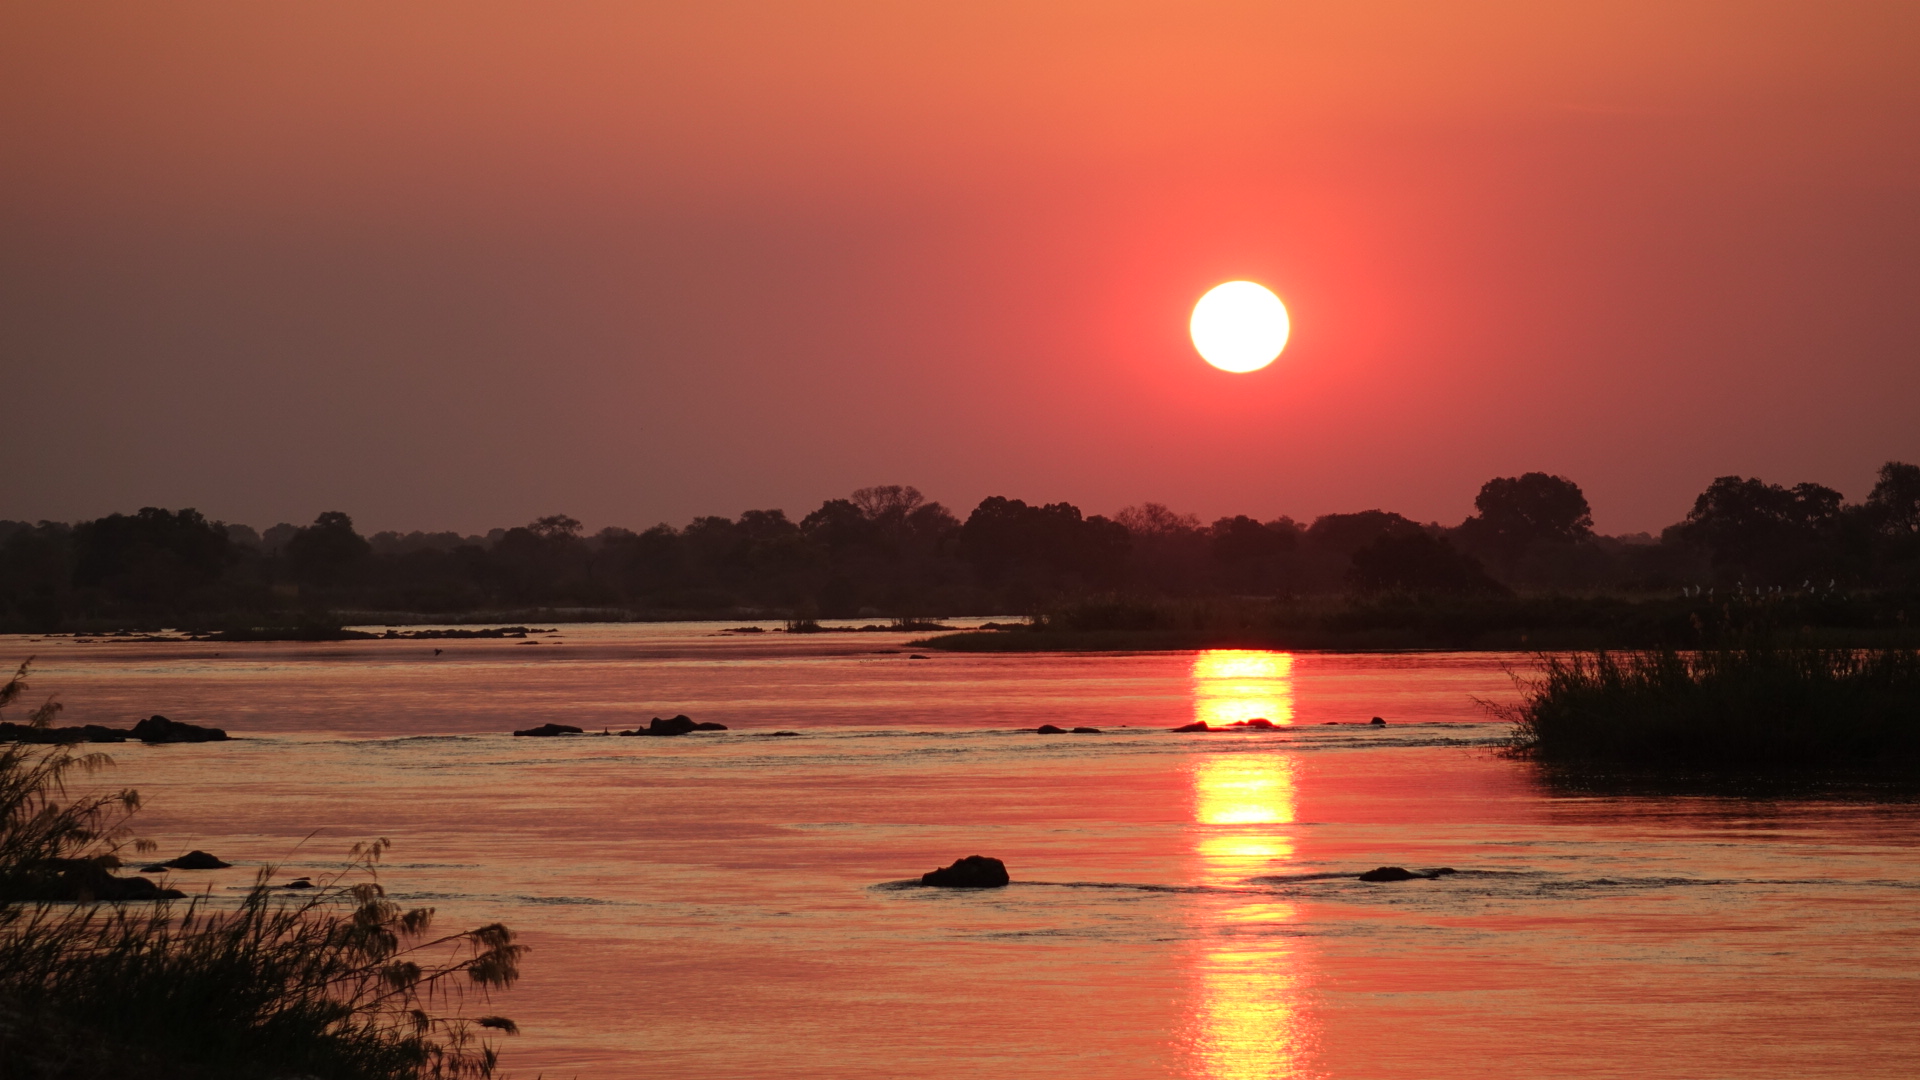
1248, 1020
1243, 789
1230, 685
1251, 1022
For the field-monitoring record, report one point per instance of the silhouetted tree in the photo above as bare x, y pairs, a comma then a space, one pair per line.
1344, 534
555, 527
1518, 513
1249, 555
1043, 547
1417, 562
1894, 504
1167, 550
327, 551
151, 560
1763, 531
36, 576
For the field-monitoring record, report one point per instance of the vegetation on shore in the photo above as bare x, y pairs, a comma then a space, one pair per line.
1440, 621
1763, 706
889, 552
339, 983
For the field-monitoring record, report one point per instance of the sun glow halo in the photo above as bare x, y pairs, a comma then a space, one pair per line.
1239, 326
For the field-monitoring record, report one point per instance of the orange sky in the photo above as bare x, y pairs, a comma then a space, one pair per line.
459, 264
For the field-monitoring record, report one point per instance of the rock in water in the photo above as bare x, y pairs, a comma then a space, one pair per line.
972, 872
1197, 725
1401, 873
679, 725
1049, 729
159, 729
1256, 722
548, 730
196, 860
85, 881
1088, 731
1377, 722
1390, 873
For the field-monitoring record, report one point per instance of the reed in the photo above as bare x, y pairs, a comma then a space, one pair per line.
338, 983
1752, 707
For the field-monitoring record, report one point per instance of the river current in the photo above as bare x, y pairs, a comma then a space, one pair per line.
732, 905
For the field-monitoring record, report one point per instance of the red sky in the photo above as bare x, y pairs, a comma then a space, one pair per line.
455, 265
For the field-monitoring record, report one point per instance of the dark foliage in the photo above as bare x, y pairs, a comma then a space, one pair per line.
1413, 561
1519, 513
1749, 707
888, 551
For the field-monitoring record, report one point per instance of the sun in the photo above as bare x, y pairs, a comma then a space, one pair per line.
1240, 326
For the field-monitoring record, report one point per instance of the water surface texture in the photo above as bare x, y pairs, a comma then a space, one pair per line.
731, 905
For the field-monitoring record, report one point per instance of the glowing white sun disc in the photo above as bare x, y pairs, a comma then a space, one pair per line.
1240, 326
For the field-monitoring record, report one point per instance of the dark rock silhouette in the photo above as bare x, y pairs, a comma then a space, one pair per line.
780, 733
92, 733
972, 872
297, 883
159, 729
84, 881
1257, 722
679, 725
1088, 731
1401, 873
1049, 729
1390, 873
196, 860
919, 656
1377, 722
1197, 725
548, 730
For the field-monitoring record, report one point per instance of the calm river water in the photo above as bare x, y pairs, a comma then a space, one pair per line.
720, 906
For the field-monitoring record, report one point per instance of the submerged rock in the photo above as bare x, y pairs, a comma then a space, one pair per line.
1197, 725
548, 731
1049, 729
1088, 731
159, 729
972, 872
1257, 722
297, 883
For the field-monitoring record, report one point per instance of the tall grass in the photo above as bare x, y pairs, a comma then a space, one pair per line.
338, 983
1751, 707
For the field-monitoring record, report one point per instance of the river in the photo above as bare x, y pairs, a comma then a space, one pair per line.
729, 905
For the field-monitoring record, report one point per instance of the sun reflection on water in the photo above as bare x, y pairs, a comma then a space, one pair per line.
1230, 685
1248, 1020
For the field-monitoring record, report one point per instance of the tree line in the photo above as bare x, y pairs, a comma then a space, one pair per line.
888, 551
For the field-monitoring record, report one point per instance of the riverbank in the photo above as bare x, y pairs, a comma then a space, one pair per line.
1455, 624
